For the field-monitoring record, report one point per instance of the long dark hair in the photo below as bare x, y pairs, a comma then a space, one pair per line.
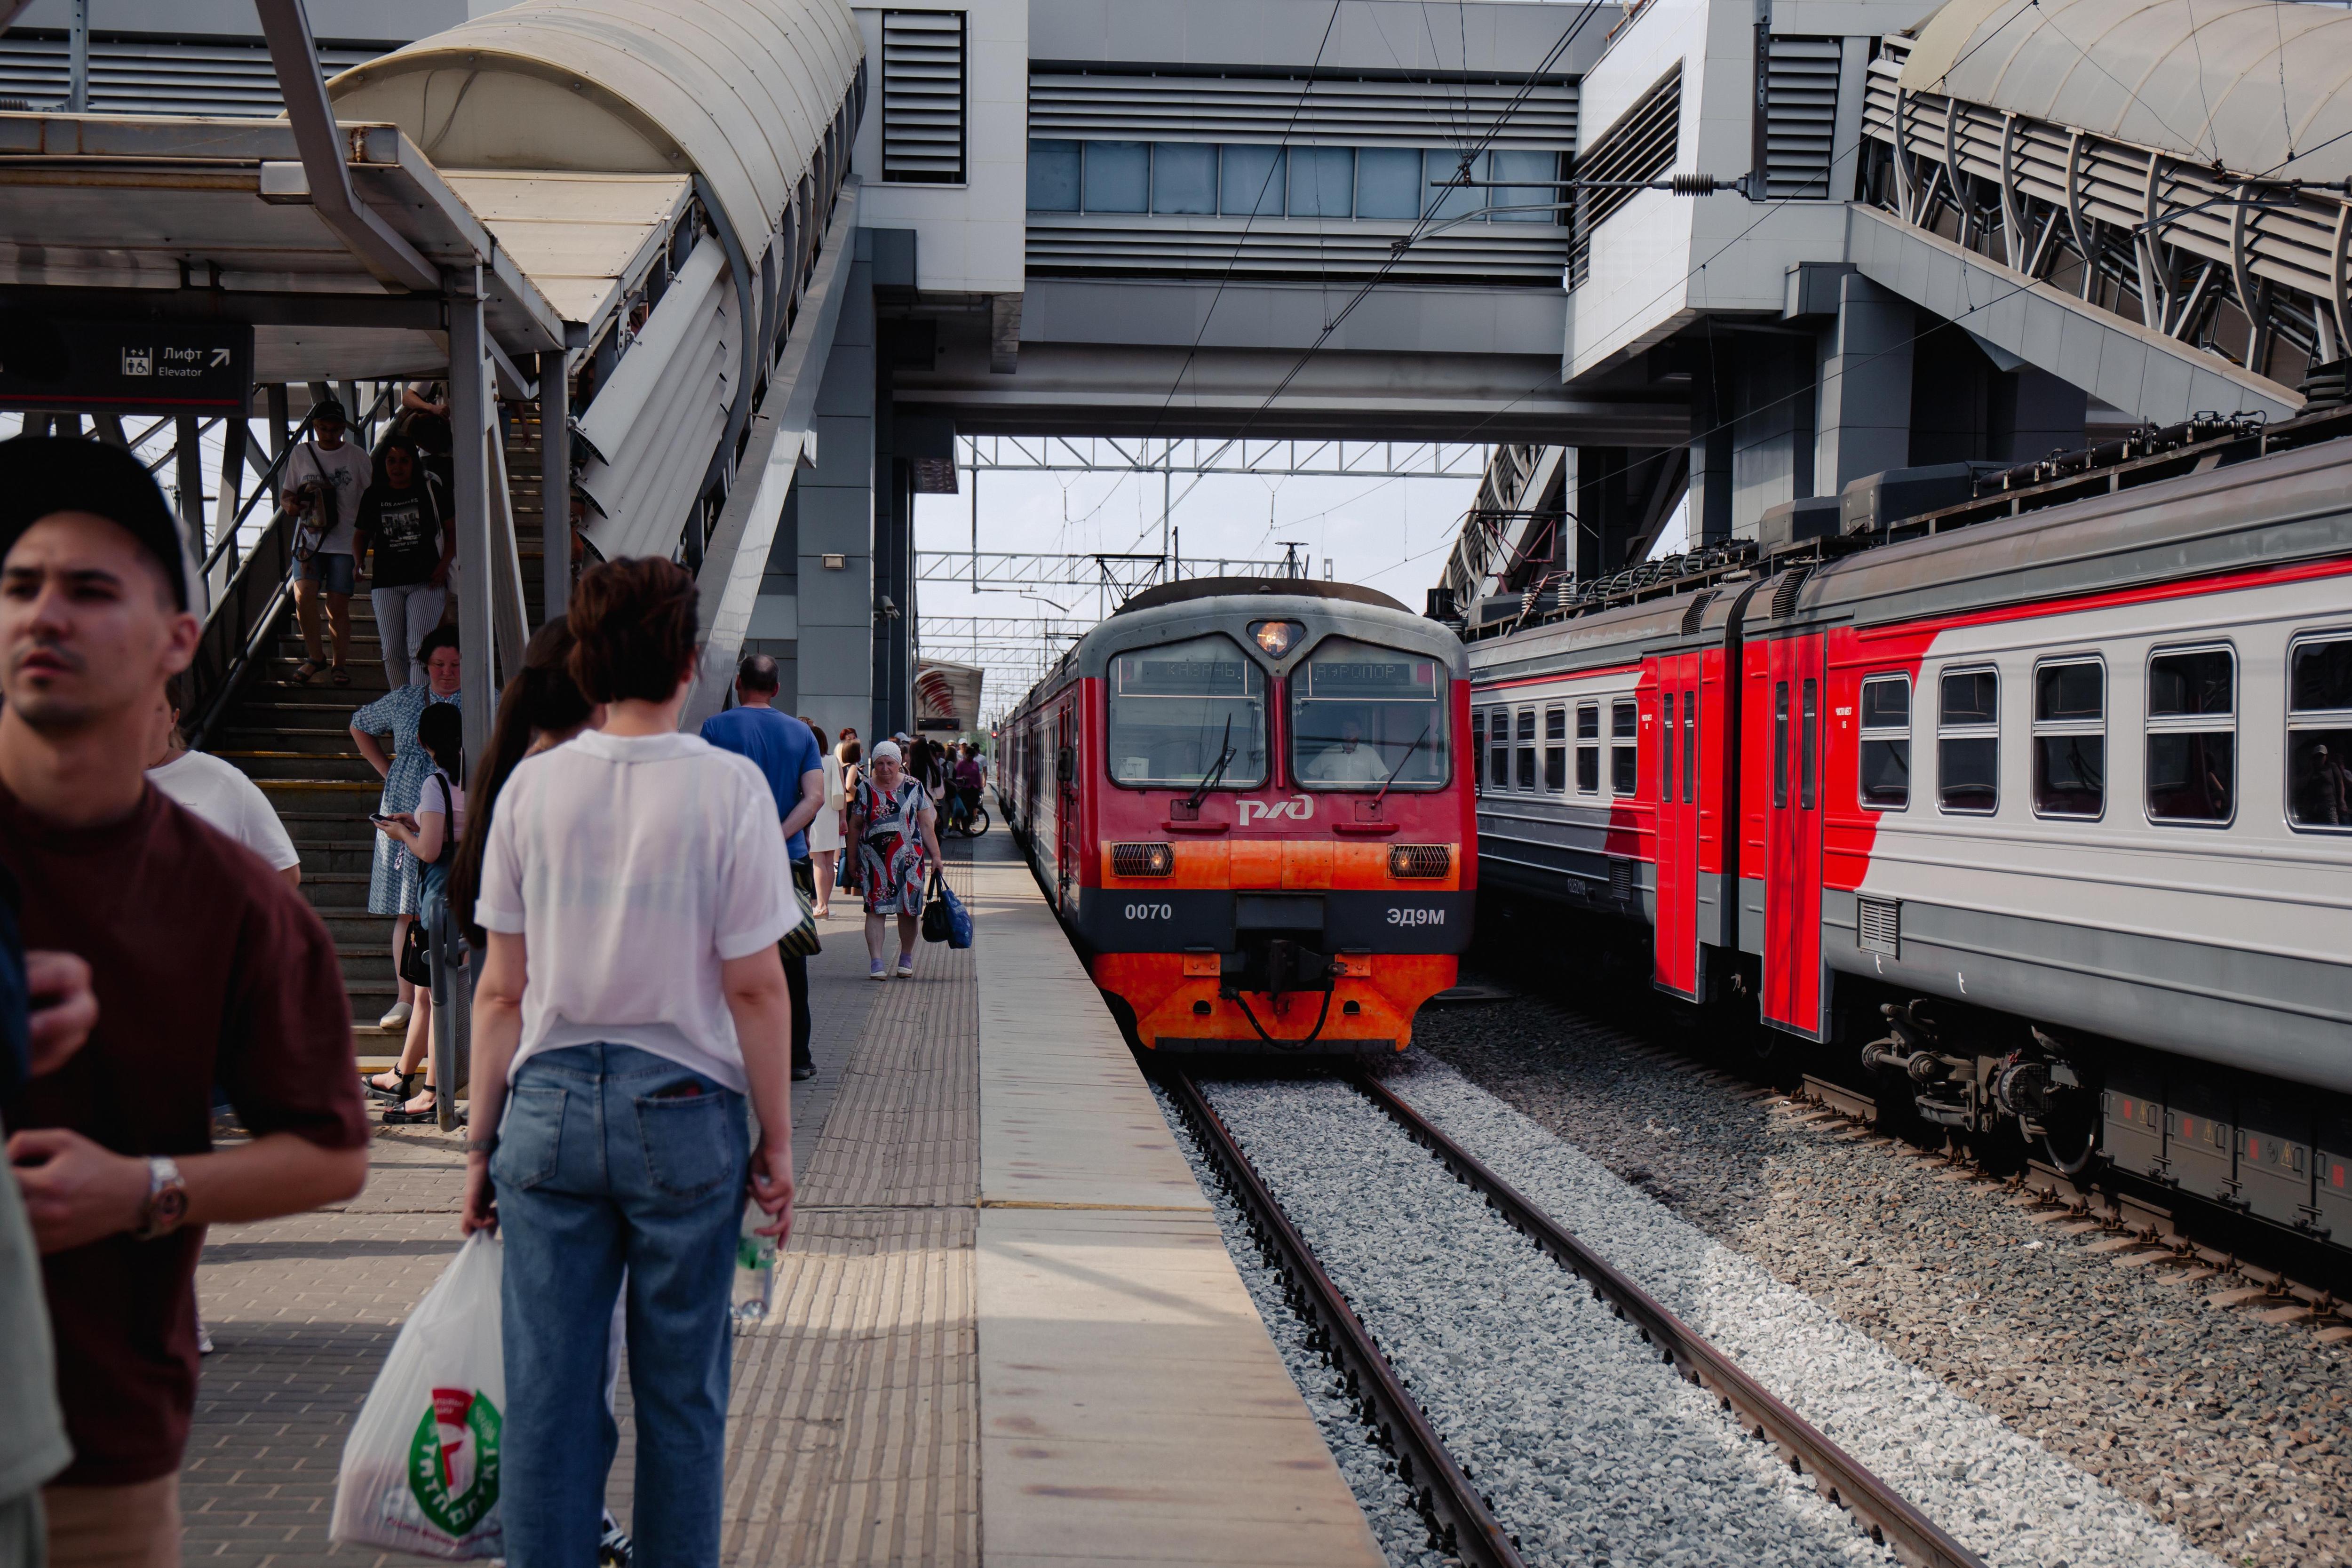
441, 730
543, 698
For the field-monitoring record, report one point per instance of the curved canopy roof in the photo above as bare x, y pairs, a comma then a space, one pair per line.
2262, 88
740, 91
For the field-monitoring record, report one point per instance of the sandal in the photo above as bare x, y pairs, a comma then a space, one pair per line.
340, 676
401, 1116
399, 1093
304, 673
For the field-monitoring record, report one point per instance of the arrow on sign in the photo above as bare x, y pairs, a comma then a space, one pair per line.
220, 358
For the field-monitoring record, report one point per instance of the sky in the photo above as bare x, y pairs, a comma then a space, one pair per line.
1389, 534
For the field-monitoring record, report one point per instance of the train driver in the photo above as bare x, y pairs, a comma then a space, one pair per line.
1350, 761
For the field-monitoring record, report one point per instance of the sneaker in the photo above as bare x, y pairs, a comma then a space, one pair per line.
613, 1549
204, 1337
803, 1071
397, 1018
875, 971
906, 966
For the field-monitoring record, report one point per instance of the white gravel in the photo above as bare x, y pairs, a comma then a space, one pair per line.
1591, 1449
1998, 1492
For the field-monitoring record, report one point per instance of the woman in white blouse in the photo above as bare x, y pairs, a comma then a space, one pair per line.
633, 888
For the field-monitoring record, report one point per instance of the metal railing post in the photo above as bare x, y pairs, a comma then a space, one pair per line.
469, 420
555, 481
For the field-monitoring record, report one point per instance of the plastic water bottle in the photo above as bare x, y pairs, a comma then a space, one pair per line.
755, 1267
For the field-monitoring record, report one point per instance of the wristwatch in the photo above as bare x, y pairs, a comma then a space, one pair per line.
166, 1203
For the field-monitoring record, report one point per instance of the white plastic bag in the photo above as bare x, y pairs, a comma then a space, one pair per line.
421, 1470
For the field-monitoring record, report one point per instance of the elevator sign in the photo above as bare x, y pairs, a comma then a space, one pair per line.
47, 366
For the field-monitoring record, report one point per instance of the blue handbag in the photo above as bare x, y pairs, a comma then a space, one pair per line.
958, 918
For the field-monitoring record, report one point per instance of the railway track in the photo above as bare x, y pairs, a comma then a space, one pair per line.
1461, 1521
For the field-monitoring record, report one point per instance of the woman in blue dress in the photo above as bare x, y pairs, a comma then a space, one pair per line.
392, 882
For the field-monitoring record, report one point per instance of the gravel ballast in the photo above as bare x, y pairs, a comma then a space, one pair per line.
2236, 1432
1590, 1450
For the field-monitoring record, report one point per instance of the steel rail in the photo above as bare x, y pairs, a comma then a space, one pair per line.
1460, 1524
1883, 1513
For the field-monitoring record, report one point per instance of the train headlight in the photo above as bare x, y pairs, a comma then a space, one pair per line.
1276, 637
1419, 862
1143, 859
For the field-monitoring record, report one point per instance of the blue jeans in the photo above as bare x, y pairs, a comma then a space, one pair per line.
612, 1157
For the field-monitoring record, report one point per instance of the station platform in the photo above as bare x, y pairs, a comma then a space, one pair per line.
1005, 1330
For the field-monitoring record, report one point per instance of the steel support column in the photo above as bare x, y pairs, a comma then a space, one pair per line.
469, 417
555, 482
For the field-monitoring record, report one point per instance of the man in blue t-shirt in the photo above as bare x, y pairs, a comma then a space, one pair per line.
783, 749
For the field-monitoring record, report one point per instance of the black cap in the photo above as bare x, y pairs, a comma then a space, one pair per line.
41, 475
327, 408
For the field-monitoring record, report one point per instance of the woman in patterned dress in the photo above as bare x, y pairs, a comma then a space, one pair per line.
393, 879
892, 822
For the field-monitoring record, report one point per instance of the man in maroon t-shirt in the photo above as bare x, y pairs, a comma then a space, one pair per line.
208, 969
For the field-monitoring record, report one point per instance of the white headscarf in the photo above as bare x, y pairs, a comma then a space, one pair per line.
885, 750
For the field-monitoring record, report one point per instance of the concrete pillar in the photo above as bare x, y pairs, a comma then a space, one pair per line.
832, 621
469, 420
555, 482
1866, 386
1713, 403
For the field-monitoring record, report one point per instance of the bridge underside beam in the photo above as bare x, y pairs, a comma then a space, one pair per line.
2161, 379
1135, 390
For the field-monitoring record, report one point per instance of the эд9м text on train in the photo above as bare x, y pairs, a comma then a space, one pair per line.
1246, 801
2031, 801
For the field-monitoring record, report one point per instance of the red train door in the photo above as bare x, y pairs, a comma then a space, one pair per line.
1792, 725
1065, 798
1675, 960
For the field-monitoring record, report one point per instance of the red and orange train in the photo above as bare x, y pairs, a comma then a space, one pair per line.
1246, 803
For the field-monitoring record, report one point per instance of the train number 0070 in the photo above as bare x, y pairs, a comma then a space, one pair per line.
1151, 911
1416, 917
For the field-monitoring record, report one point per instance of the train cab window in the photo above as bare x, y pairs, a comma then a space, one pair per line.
1624, 734
1886, 742
1666, 748
2193, 735
1498, 739
1588, 749
1555, 749
1781, 743
1690, 744
1174, 709
1360, 716
1809, 762
1968, 740
2069, 738
1478, 748
1525, 751
2319, 732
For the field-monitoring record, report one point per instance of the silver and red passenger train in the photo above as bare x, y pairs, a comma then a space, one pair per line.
1245, 799
2052, 809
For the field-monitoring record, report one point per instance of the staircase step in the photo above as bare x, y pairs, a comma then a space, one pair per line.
294, 767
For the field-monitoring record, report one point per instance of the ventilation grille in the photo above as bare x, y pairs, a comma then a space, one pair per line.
1695, 617
1288, 249
1621, 879
1419, 862
1878, 927
1356, 112
1142, 860
1784, 598
148, 76
1640, 146
922, 97
1801, 119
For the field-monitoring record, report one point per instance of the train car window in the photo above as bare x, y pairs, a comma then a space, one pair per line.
1555, 749
2069, 738
1169, 712
1624, 732
1588, 749
1499, 736
1479, 751
2319, 732
1811, 760
1886, 743
1360, 716
1666, 748
2193, 735
1690, 744
1967, 741
1526, 752
1781, 743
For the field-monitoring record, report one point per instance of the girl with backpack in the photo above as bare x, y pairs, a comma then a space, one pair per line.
430, 833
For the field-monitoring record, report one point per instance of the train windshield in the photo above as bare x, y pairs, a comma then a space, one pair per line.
1360, 715
1173, 709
